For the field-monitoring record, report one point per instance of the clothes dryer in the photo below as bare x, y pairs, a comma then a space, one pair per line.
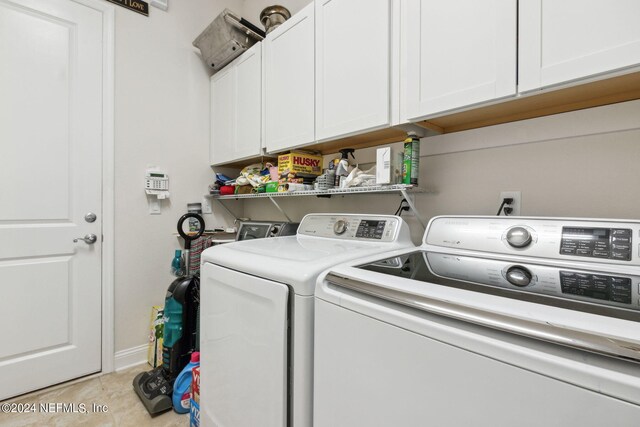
257, 316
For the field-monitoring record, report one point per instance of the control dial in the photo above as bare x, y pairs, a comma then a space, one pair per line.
340, 226
519, 276
519, 237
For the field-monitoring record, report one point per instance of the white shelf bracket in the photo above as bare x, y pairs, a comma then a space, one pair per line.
280, 209
413, 208
235, 218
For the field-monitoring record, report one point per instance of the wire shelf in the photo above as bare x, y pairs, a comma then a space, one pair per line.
330, 192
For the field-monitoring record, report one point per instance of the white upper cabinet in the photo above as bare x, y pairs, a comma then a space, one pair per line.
566, 40
222, 116
289, 83
455, 54
352, 66
236, 94
248, 108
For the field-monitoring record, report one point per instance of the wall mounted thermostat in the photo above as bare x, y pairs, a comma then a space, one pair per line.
156, 186
156, 180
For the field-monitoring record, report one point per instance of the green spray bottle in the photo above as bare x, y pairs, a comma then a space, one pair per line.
411, 161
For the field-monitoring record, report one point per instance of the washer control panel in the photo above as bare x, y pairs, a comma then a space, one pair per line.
611, 243
596, 287
575, 239
377, 228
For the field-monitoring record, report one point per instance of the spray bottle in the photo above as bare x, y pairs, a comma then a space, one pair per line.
342, 170
411, 164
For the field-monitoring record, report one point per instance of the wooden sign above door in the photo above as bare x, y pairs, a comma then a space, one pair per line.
142, 7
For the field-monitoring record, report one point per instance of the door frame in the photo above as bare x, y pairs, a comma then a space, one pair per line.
108, 177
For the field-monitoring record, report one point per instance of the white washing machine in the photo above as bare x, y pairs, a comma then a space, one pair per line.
493, 321
257, 312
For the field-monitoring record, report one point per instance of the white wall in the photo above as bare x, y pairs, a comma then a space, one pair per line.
161, 118
579, 164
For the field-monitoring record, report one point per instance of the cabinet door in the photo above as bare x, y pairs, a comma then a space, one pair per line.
352, 66
223, 101
248, 108
289, 83
566, 40
456, 54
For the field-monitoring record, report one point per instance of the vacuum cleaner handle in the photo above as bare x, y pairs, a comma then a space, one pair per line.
189, 238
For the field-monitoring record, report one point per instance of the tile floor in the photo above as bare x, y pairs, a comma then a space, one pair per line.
113, 390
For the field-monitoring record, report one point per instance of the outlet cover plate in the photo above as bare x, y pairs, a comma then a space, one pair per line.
517, 202
206, 205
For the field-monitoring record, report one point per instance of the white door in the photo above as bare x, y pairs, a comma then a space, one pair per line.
566, 40
236, 109
289, 83
50, 177
248, 109
456, 54
223, 104
353, 40
243, 366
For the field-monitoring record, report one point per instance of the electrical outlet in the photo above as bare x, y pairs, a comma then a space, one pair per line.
206, 205
517, 202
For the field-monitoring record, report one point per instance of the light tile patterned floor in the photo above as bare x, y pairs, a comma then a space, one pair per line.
113, 390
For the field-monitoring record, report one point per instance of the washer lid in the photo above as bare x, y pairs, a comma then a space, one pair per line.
294, 260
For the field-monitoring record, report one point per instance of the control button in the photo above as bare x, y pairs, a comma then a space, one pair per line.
621, 232
621, 281
622, 247
600, 286
625, 256
567, 251
601, 254
583, 252
617, 239
621, 293
340, 226
519, 276
518, 237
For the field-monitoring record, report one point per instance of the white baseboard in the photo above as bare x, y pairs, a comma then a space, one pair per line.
131, 357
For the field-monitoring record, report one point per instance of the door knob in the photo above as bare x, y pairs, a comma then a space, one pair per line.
90, 217
89, 239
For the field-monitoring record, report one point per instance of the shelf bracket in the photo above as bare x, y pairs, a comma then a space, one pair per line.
413, 208
235, 218
280, 209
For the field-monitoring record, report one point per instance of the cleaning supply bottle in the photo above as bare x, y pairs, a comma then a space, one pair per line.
342, 170
176, 264
411, 163
182, 386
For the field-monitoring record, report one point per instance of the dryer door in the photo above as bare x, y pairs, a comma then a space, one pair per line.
243, 378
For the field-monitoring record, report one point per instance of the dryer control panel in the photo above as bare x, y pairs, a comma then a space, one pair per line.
377, 228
